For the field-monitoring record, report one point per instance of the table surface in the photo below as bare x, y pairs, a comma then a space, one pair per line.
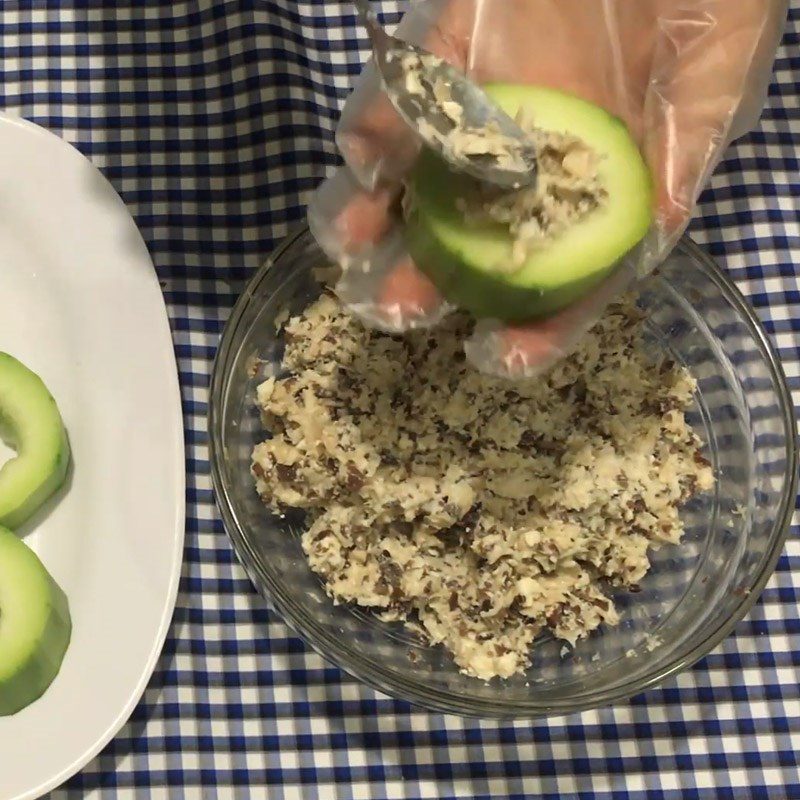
214, 120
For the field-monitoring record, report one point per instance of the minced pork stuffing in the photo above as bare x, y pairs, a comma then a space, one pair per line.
478, 512
567, 189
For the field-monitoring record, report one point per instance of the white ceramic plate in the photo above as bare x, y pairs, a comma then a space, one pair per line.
80, 305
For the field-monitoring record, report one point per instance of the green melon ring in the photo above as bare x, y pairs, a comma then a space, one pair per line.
31, 422
461, 258
35, 626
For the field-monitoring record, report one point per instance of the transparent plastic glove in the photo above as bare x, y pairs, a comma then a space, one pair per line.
687, 77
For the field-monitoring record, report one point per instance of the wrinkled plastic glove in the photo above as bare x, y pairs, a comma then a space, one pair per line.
686, 76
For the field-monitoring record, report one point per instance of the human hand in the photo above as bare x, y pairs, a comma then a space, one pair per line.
686, 78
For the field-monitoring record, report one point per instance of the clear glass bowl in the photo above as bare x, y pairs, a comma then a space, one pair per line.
690, 601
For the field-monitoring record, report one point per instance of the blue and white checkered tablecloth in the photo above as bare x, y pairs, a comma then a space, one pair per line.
214, 120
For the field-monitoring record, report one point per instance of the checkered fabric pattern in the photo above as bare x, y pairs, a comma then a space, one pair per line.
214, 120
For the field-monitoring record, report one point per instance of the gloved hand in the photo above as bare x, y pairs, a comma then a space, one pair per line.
687, 77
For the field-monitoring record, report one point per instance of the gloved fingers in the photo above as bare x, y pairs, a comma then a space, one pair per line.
361, 232
386, 290
408, 298
347, 220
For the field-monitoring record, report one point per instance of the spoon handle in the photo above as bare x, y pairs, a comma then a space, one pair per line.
381, 41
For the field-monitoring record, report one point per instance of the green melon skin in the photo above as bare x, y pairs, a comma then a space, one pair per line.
461, 258
31, 422
35, 626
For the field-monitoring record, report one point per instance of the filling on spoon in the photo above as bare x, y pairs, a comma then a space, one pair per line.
458, 140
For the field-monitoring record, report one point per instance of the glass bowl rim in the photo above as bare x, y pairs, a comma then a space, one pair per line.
400, 687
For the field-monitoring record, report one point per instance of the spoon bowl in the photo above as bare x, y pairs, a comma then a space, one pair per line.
452, 115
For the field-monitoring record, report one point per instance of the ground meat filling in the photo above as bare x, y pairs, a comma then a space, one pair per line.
477, 511
567, 189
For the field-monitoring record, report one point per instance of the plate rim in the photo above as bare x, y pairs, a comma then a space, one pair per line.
137, 692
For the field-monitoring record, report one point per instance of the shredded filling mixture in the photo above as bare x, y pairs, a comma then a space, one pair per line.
476, 511
567, 189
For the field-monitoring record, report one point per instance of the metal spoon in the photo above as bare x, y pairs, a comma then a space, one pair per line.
452, 116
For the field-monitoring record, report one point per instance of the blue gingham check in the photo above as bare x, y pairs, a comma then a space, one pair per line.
214, 121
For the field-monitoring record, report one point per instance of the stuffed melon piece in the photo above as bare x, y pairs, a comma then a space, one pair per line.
462, 258
31, 423
35, 626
